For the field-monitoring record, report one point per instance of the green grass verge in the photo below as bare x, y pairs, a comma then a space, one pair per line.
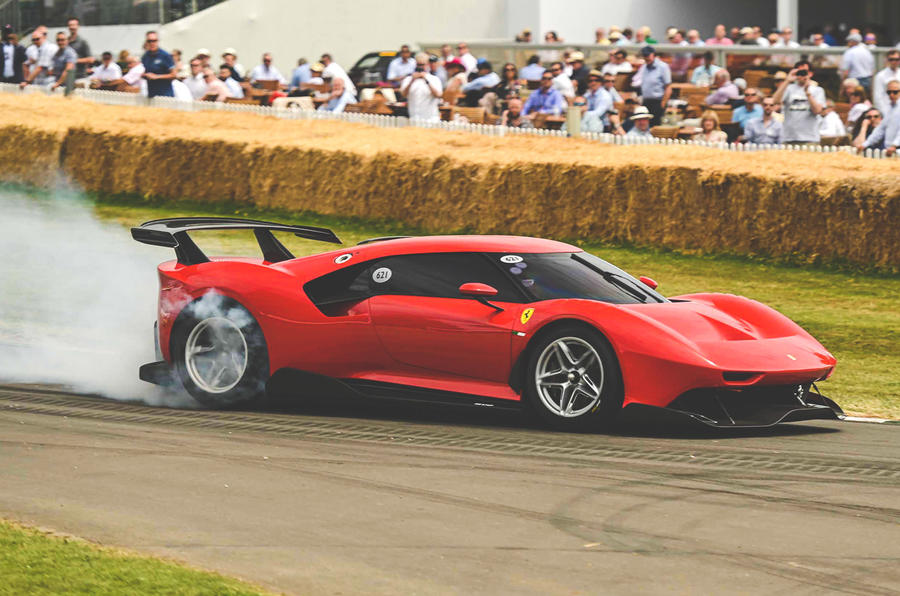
856, 315
34, 563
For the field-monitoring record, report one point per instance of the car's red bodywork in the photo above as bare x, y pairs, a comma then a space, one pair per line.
461, 345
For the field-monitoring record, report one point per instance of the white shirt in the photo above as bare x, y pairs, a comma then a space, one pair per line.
134, 74
610, 68
469, 61
234, 88
181, 91
262, 73
41, 56
422, 103
8, 56
336, 71
196, 84
104, 73
879, 87
564, 85
831, 125
858, 62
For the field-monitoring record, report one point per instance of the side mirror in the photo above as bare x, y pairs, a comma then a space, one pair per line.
477, 290
648, 282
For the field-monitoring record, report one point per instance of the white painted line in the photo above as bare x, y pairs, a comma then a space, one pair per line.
870, 420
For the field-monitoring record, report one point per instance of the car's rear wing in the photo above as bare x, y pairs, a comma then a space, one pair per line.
173, 233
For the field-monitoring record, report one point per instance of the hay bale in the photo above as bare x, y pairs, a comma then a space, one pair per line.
29, 155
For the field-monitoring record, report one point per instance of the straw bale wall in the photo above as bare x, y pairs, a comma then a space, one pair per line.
825, 208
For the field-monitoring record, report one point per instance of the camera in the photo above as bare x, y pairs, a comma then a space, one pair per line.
420, 69
802, 73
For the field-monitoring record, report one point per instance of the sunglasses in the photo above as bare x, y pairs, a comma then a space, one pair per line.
152, 41
510, 69
749, 94
546, 78
893, 91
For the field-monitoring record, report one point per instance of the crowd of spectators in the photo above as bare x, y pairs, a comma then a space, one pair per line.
631, 90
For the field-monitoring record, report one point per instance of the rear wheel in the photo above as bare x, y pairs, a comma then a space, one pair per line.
573, 379
220, 353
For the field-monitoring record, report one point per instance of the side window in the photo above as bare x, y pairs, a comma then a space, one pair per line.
349, 284
438, 275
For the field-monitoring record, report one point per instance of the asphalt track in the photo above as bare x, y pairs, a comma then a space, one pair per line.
349, 498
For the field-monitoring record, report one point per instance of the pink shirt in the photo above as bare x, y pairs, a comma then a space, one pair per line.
725, 41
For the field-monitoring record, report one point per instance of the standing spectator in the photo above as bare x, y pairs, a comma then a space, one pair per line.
266, 71
724, 89
513, 116
533, 70
159, 68
436, 67
680, 61
786, 39
339, 99
107, 72
423, 92
823, 61
600, 37
562, 82
705, 74
62, 65
302, 74
401, 67
544, 100
871, 40
864, 127
890, 73
830, 124
765, 130
859, 105
802, 101
39, 55
640, 123
486, 80
618, 64
469, 61
655, 82
751, 110
227, 77
196, 82
81, 48
238, 72
335, 71
12, 58
709, 129
215, 87
580, 72
693, 39
182, 70
857, 61
719, 38
887, 134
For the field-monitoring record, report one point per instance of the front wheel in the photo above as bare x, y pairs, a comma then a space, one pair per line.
220, 353
573, 379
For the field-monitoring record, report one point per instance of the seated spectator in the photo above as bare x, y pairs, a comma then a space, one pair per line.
640, 123
339, 99
122, 60
469, 61
513, 116
676, 113
456, 73
215, 87
709, 129
544, 100
234, 88
301, 74
266, 71
864, 127
887, 134
680, 61
484, 81
579, 74
631, 104
238, 72
402, 66
182, 70
315, 72
618, 64
765, 130
524, 36
830, 124
750, 110
724, 89
107, 72
609, 85
135, 74
719, 38
859, 105
703, 75
693, 38
423, 92
196, 82
561, 81
204, 56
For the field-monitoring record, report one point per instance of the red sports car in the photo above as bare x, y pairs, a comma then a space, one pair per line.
483, 320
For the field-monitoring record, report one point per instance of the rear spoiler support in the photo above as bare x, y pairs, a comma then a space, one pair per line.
173, 233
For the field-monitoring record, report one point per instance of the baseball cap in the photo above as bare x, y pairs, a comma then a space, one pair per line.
231, 51
854, 37
203, 52
647, 50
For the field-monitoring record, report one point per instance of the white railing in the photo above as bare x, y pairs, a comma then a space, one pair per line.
385, 121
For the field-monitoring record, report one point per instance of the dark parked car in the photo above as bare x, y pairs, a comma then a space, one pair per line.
371, 68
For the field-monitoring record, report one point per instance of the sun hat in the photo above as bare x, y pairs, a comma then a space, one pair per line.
641, 112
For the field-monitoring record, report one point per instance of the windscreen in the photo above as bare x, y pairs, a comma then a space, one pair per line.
549, 276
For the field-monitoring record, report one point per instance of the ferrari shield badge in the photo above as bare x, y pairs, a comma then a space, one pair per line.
526, 314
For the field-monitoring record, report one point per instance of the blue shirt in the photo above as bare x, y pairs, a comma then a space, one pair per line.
160, 62
338, 104
549, 102
398, 69
742, 115
654, 79
886, 134
707, 73
531, 72
491, 79
300, 75
599, 103
762, 133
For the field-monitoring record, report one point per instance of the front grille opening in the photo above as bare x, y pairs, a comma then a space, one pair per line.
738, 376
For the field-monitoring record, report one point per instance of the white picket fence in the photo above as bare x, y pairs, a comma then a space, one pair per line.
383, 121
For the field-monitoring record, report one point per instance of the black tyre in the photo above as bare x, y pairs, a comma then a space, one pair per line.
573, 379
220, 352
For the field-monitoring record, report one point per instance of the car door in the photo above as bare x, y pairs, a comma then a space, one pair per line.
423, 321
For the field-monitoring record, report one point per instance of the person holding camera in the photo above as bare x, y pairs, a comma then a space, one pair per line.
423, 91
803, 100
